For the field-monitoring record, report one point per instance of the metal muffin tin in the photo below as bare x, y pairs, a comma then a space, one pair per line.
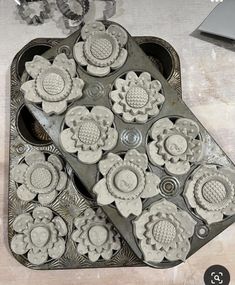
173, 108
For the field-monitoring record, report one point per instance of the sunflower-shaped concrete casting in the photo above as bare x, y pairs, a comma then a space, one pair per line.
136, 98
53, 85
125, 182
163, 231
175, 145
39, 177
89, 133
40, 235
210, 191
95, 236
101, 50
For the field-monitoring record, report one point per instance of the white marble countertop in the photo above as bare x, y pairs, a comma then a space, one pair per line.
208, 89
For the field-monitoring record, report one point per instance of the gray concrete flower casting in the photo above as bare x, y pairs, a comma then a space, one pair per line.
89, 133
136, 98
163, 231
210, 190
175, 145
101, 49
39, 177
95, 236
125, 182
52, 85
40, 235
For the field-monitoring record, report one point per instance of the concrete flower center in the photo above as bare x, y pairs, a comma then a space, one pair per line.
214, 192
126, 180
40, 236
164, 232
137, 97
53, 83
98, 235
89, 133
101, 48
41, 178
176, 144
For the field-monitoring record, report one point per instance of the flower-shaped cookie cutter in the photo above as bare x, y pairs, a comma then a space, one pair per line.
95, 236
39, 177
163, 231
40, 235
175, 144
136, 98
89, 133
125, 182
53, 85
101, 50
210, 190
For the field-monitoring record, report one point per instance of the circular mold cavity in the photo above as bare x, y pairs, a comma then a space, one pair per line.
131, 137
81, 188
202, 231
169, 186
30, 129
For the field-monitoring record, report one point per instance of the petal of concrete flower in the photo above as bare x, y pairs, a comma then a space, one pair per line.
33, 156
155, 110
18, 245
159, 126
119, 83
230, 209
82, 249
118, 109
61, 60
114, 95
154, 157
178, 168
60, 226
56, 161
54, 107
75, 114
93, 256
151, 188
37, 258
37, 65
127, 207
78, 53
127, 117
160, 98
66, 141
187, 222
76, 91
139, 225
20, 223
58, 249
89, 156
42, 212
189, 194
119, 33
145, 76
76, 236
104, 114
156, 85
90, 28
18, 172
30, 94
102, 192
188, 125
62, 181
210, 217
119, 62
141, 118
151, 255
137, 158
24, 194
106, 164
131, 76
47, 198
98, 71
111, 139
197, 151
180, 252
107, 254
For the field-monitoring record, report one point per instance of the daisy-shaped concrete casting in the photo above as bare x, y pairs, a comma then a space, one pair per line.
210, 191
125, 182
163, 231
40, 235
89, 133
39, 177
175, 145
95, 236
53, 85
101, 50
136, 98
